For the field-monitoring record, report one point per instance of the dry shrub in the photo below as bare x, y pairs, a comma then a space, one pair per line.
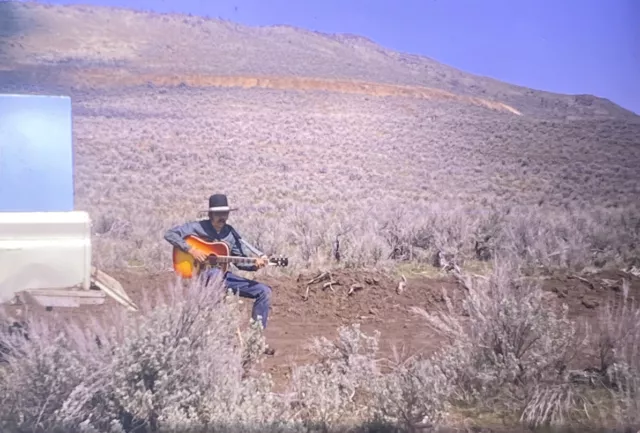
507, 347
40, 374
314, 237
572, 238
616, 343
415, 395
512, 353
346, 385
178, 365
336, 388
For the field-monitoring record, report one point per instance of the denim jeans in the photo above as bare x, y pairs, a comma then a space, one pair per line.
246, 288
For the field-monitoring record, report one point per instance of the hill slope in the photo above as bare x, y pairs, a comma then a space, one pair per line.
57, 35
322, 137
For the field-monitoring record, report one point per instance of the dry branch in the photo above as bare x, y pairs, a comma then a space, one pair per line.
321, 277
584, 280
329, 285
401, 285
354, 288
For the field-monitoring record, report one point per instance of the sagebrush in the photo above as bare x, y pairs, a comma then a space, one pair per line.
375, 176
188, 360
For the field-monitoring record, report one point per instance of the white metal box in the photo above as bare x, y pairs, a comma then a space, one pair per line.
44, 250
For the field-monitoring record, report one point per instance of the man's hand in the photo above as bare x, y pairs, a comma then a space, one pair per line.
198, 255
261, 262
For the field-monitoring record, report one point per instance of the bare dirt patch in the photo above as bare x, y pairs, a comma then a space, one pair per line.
298, 315
586, 295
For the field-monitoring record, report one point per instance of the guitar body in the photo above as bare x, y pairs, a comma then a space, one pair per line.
187, 267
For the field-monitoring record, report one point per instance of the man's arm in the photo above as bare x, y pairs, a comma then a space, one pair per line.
251, 248
237, 250
175, 235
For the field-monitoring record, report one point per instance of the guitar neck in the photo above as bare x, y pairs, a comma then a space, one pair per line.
235, 259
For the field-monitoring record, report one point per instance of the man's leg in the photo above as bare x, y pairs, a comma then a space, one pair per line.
261, 293
211, 274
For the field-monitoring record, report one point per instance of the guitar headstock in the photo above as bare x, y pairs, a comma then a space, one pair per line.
279, 261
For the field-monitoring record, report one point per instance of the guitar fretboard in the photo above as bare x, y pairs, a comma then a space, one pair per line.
234, 259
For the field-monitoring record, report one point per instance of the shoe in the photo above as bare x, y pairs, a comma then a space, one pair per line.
269, 351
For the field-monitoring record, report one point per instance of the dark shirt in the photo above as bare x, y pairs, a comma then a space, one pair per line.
205, 230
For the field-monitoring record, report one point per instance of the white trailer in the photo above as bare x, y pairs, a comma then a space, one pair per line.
45, 244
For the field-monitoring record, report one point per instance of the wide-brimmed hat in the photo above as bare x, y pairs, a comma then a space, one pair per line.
219, 203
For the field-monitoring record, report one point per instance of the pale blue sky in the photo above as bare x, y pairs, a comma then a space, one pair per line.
566, 46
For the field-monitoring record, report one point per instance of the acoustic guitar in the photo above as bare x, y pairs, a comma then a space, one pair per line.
186, 266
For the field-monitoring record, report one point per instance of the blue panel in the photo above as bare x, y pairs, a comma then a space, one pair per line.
36, 154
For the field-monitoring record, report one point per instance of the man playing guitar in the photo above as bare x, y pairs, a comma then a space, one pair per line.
215, 228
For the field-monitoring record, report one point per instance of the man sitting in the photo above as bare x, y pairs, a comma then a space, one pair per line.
215, 228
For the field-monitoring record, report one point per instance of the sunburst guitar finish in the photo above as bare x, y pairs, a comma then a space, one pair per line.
218, 255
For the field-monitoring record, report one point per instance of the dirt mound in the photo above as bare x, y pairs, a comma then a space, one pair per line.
342, 297
586, 295
297, 315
